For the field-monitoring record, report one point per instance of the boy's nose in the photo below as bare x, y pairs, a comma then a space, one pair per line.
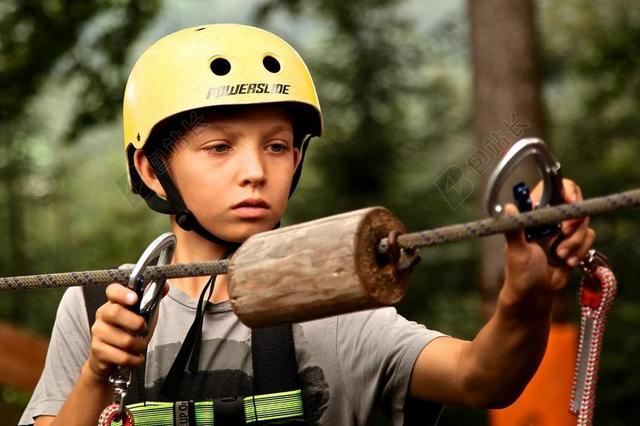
252, 171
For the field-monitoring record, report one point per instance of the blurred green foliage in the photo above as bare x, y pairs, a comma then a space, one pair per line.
397, 104
62, 69
592, 60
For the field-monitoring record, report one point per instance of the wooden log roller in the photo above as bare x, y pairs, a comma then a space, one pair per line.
316, 269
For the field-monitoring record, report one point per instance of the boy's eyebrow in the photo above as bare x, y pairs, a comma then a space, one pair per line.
227, 129
279, 128
219, 127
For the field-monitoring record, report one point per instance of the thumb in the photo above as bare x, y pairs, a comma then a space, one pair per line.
515, 239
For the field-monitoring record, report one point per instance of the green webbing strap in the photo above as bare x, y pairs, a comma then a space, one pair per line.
281, 405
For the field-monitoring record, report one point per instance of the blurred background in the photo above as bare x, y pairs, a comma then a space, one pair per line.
420, 99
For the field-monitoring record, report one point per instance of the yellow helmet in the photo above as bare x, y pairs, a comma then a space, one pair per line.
214, 65
208, 66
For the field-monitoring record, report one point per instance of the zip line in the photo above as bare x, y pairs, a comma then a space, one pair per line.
448, 234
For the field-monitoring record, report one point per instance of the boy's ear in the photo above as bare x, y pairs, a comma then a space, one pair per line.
147, 174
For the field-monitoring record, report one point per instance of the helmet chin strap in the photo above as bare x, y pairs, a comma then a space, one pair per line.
184, 218
297, 173
187, 220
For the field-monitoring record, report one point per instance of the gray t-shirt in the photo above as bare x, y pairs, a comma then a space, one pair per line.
348, 363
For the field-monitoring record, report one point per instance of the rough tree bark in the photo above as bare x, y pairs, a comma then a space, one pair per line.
507, 102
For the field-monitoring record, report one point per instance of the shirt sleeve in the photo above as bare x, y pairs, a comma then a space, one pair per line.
377, 350
68, 351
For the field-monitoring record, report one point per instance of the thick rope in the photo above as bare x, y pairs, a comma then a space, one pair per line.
447, 234
546, 216
108, 276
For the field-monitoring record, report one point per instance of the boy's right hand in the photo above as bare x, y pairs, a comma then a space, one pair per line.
115, 334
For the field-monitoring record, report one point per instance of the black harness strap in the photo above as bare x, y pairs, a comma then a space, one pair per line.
94, 297
275, 368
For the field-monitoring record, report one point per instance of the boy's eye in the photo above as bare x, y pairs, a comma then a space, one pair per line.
219, 148
278, 147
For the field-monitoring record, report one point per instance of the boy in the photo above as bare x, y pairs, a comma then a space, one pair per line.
216, 122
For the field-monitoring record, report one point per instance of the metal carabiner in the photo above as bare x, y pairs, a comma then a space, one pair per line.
552, 190
548, 166
159, 252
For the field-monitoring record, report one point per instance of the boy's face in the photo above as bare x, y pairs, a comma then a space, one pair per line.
230, 159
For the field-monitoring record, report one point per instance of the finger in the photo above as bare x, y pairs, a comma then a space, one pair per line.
122, 295
569, 227
165, 289
118, 338
515, 239
108, 354
571, 194
117, 315
572, 241
536, 193
582, 251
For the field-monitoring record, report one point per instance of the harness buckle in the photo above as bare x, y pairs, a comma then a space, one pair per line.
229, 410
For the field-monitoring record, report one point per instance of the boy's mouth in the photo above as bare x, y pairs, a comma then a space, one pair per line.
251, 208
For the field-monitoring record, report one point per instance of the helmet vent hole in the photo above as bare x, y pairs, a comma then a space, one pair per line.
220, 66
200, 29
271, 64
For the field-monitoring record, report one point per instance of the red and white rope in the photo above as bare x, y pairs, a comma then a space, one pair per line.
597, 291
111, 414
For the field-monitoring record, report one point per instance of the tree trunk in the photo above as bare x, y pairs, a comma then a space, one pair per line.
507, 102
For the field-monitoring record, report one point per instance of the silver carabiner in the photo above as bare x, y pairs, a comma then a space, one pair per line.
552, 190
159, 252
120, 379
550, 169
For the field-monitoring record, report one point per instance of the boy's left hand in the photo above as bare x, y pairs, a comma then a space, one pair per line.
527, 271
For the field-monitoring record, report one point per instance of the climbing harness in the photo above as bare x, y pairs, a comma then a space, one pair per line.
598, 285
149, 295
278, 396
